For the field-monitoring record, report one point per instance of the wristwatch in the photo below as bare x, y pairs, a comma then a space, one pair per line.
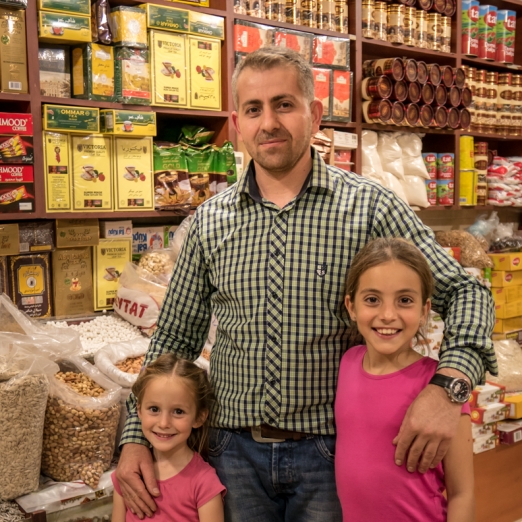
458, 390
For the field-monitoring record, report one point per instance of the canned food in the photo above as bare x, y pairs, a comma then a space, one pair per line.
506, 23
426, 115
414, 92
441, 95
428, 93
445, 192
367, 21
380, 21
256, 8
410, 23
454, 97
376, 87
425, 4
275, 10
459, 76
400, 91
470, 16
412, 115
431, 191
395, 27
440, 118
445, 40
447, 76
398, 113
451, 8
326, 15
309, 13
434, 73
341, 16
453, 118
240, 7
439, 6
487, 37
434, 31
293, 12
465, 119
466, 97
422, 72
391, 67
410, 70
421, 29
377, 111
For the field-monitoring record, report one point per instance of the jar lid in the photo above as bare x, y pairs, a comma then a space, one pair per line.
451, 8
426, 115
385, 110
466, 96
410, 70
428, 93
440, 5
454, 96
422, 72
425, 4
397, 116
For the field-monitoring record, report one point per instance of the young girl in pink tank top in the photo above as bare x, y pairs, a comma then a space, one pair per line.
388, 291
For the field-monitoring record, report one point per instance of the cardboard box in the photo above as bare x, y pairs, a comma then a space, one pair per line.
200, 3
515, 336
29, 278
341, 102
116, 229
322, 88
4, 278
16, 123
60, 28
109, 260
9, 239
486, 394
249, 37
166, 18
485, 443
507, 325
169, 69
72, 281
490, 413
71, 233
508, 310
331, 51
145, 239
93, 72
55, 71
296, 40
16, 149
127, 123
16, 188
507, 294
13, 53
501, 278
78, 7
204, 58
129, 27
509, 261
204, 24
57, 172
510, 432
36, 237
480, 430
92, 172
67, 118
515, 404
133, 178
132, 76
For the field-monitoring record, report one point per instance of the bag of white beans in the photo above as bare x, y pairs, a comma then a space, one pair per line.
81, 421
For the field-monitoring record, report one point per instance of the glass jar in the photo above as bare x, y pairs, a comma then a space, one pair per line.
516, 105
293, 12
380, 21
490, 125
434, 31
309, 13
341, 16
504, 98
326, 15
395, 28
421, 29
256, 8
445, 42
410, 23
275, 10
367, 21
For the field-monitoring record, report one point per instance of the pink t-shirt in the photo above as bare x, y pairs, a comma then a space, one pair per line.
183, 494
369, 410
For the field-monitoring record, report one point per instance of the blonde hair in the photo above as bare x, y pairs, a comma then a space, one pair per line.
197, 380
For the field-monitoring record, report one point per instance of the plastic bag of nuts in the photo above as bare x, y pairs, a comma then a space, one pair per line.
159, 263
81, 421
471, 252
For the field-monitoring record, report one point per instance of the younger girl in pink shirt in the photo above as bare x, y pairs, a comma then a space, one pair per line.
173, 397
388, 291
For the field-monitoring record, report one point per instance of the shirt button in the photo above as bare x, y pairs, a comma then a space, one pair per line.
272, 382
277, 253
274, 294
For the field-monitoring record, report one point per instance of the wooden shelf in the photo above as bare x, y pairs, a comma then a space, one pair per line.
339, 124
497, 66
7, 96
490, 136
118, 214
397, 128
388, 50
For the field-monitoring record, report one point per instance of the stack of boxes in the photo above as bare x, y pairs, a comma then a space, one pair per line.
440, 186
510, 432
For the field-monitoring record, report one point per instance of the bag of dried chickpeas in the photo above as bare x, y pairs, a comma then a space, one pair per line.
81, 420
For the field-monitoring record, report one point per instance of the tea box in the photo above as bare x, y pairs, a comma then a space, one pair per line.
249, 37
109, 260
169, 69
9, 241
80, 7
77, 233
133, 179
127, 123
205, 73
331, 51
72, 281
93, 72
63, 28
66, 118
57, 173
296, 40
129, 27
132, 76
16, 188
166, 18
13, 56
91, 172
206, 25
55, 71
322, 89
342, 88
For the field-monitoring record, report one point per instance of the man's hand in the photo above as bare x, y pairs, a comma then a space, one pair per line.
135, 474
427, 429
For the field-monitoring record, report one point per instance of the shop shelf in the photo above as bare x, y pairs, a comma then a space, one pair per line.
488, 64
382, 49
494, 136
396, 128
118, 214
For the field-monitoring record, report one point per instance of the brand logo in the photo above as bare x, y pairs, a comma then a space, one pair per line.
510, 23
12, 122
321, 269
508, 278
473, 14
490, 19
516, 261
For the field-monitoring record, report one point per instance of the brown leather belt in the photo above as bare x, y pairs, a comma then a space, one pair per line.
266, 433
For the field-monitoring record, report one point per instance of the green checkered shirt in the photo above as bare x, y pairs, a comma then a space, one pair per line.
274, 278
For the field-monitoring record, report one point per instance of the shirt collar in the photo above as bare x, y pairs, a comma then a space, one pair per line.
318, 177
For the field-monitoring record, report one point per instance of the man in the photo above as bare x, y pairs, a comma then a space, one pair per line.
268, 256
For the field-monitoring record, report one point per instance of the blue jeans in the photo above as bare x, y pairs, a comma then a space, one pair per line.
291, 481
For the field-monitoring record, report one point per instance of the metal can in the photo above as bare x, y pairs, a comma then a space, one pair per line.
470, 16
395, 28
454, 97
426, 115
309, 13
453, 118
398, 113
491, 101
447, 75
428, 93
293, 12
411, 115
380, 21
516, 105
422, 72
466, 98
421, 28
326, 15
445, 41
275, 10
451, 8
425, 4
414, 92
256, 8
465, 119
434, 31
441, 95
459, 77
240, 7
391, 67
439, 6
341, 16
479, 101
487, 36
410, 23
376, 87
434, 73
410, 70
367, 22
400, 91
504, 99
377, 111
440, 119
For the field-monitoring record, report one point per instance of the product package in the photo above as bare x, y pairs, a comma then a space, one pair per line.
199, 164
13, 55
341, 101
109, 258
66, 118
515, 402
92, 172
204, 59
72, 281
100, 27
16, 149
36, 237
79, 7
16, 188
206, 25
249, 37
9, 245
147, 239
72, 233
510, 432
129, 27
486, 394
127, 123
166, 18
132, 76
59, 29
323, 88
93, 72
57, 173
331, 51
116, 229
505, 30
490, 413
16, 123
133, 179
169, 69
55, 71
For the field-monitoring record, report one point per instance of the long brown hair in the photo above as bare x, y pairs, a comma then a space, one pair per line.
196, 378
383, 250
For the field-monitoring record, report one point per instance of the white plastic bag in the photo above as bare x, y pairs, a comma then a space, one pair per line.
371, 162
509, 359
412, 161
391, 153
415, 190
179, 237
391, 182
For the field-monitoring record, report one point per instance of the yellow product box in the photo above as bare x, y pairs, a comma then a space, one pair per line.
169, 69
166, 18
502, 278
13, 55
509, 261
508, 336
78, 7
72, 233
93, 72
129, 27
92, 172
205, 73
127, 123
57, 172
66, 118
468, 187
507, 325
206, 25
507, 294
133, 179
200, 3
109, 260
515, 402
60, 28
508, 310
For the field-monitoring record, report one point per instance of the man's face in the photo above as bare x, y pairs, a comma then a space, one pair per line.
273, 118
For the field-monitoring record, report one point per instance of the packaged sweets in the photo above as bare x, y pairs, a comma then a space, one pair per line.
132, 76
16, 149
249, 37
199, 163
16, 188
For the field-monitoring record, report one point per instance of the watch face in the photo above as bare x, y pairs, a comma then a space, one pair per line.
460, 390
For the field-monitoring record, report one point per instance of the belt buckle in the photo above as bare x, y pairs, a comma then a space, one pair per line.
256, 435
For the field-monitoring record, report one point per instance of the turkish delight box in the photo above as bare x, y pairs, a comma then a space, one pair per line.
249, 37
16, 149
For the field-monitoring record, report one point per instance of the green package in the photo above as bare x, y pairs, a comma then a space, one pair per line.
132, 76
199, 163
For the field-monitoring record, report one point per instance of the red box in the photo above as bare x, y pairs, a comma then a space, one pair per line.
491, 413
16, 149
16, 123
510, 432
16, 188
487, 394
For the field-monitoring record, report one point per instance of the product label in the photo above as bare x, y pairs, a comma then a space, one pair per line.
66, 28
138, 308
167, 18
128, 123
341, 96
205, 73
71, 119
57, 172
206, 25
12, 123
81, 7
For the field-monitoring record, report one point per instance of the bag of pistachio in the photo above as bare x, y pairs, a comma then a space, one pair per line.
81, 421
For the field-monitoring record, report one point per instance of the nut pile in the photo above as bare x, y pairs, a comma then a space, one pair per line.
80, 383
78, 443
131, 364
157, 263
